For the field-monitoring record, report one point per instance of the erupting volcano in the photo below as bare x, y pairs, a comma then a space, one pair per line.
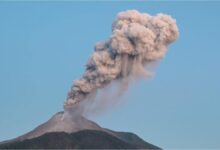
138, 41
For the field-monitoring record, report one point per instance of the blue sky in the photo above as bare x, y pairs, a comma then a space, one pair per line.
45, 45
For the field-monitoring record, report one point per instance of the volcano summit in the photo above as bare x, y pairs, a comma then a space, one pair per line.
75, 133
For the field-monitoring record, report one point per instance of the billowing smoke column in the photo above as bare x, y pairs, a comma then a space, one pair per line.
137, 40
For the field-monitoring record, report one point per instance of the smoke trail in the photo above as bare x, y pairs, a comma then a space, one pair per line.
137, 40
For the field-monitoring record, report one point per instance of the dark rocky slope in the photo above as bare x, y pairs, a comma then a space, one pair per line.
85, 139
74, 132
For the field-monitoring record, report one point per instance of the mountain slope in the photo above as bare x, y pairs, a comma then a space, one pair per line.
86, 139
61, 122
134, 139
64, 130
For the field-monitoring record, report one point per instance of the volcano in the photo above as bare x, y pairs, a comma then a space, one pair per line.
75, 132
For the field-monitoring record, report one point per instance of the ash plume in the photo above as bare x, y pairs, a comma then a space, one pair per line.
137, 41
